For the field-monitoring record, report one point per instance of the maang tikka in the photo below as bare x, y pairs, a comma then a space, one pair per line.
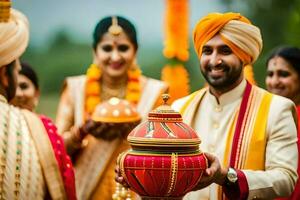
115, 28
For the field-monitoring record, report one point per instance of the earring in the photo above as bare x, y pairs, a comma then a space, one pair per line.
134, 65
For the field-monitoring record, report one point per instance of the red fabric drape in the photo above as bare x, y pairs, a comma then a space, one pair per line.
63, 160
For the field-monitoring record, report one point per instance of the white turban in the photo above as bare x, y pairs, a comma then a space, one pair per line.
14, 37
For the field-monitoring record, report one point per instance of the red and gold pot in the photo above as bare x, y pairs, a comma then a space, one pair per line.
165, 161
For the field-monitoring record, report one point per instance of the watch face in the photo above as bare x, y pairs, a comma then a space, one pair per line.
232, 175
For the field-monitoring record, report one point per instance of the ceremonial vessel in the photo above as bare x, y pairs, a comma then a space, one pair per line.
165, 161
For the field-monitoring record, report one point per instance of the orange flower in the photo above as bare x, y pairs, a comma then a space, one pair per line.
134, 73
133, 91
176, 30
93, 72
91, 103
93, 88
176, 46
178, 79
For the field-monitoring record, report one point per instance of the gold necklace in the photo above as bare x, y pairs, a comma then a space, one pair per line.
108, 92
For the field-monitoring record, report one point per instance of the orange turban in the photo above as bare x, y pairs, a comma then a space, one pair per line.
236, 31
14, 36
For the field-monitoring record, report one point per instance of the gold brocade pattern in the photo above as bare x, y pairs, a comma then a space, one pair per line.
20, 173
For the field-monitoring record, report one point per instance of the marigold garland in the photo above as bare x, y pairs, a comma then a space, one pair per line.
178, 79
176, 30
93, 87
133, 90
176, 46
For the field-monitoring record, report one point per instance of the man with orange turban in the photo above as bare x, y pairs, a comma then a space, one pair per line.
249, 134
34, 164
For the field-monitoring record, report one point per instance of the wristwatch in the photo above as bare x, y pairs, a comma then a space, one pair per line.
231, 176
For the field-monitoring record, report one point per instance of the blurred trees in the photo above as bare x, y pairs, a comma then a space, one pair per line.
53, 63
61, 58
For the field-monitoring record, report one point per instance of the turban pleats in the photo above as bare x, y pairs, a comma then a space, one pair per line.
236, 31
14, 37
246, 37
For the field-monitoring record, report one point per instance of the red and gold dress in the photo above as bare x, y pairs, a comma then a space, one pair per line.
94, 164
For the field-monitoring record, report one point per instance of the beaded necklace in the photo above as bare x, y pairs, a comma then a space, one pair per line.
93, 87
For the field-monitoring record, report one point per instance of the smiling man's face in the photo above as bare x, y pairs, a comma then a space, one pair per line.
220, 67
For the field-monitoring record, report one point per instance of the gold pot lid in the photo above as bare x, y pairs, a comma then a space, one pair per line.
164, 128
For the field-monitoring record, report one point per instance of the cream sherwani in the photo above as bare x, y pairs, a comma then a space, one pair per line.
211, 121
28, 167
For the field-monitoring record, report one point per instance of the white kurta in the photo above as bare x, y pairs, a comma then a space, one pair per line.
212, 120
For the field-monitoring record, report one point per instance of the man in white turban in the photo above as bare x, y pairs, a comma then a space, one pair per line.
250, 135
33, 162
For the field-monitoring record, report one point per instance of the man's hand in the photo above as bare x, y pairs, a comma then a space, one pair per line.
213, 174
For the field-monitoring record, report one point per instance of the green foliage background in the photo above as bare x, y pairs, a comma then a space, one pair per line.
279, 22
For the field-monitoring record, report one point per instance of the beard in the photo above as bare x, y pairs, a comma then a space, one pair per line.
221, 76
11, 89
12, 81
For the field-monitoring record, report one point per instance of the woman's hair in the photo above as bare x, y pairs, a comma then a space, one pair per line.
288, 53
28, 71
104, 24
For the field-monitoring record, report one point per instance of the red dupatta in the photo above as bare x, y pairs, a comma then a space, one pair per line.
63, 160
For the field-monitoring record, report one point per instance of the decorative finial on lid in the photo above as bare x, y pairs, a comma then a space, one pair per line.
115, 28
165, 98
4, 10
